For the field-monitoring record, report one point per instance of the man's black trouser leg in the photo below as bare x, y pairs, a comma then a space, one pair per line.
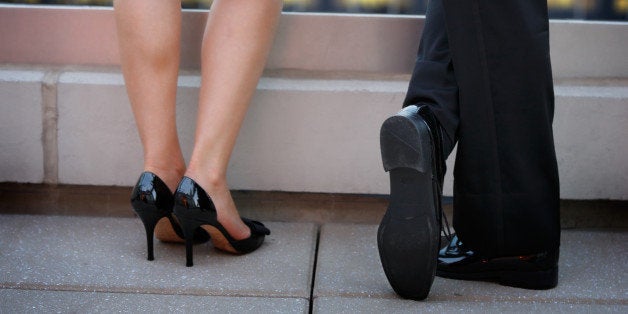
483, 68
433, 82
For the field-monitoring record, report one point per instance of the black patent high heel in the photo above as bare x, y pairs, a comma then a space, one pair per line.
152, 200
194, 208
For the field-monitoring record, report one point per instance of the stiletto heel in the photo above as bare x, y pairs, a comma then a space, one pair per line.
152, 201
150, 230
194, 208
150, 221
188, 226
189, 253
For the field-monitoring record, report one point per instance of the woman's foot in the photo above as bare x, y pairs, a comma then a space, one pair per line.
227, 213
195, 210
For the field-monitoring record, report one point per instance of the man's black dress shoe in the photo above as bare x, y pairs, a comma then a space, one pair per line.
535, 271
409, 234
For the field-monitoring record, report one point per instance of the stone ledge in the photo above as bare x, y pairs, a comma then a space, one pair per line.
328, 122
63, 35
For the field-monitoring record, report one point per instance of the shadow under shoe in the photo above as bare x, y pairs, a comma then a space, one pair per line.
532, 271
152, 201
196, 211
408, 237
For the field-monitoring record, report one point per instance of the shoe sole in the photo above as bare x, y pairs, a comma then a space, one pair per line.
536, 280
164, 232
408, 235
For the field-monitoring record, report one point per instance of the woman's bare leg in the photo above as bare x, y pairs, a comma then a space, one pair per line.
149, 33
237, 40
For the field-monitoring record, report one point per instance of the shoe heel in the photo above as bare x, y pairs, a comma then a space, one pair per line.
149, 219
538, 280
188, 226
405, 143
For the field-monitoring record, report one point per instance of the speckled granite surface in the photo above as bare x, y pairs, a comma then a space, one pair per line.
37, 301
108, 255
95, 264
376, 305
593, 267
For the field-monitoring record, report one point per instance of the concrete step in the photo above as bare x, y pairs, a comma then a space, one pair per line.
95, 264
302, 133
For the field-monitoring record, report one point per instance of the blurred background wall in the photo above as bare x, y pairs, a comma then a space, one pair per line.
612, 10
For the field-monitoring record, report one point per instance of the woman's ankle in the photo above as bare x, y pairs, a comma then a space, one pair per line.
170, 176
209, 180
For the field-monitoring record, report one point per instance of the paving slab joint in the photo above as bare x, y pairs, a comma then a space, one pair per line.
313, 281
50, 118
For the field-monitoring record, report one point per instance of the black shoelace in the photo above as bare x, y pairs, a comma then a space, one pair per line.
439, 165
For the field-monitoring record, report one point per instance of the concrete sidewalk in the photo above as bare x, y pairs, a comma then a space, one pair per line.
96, 264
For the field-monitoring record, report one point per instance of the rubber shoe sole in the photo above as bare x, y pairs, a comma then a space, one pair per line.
408, 235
